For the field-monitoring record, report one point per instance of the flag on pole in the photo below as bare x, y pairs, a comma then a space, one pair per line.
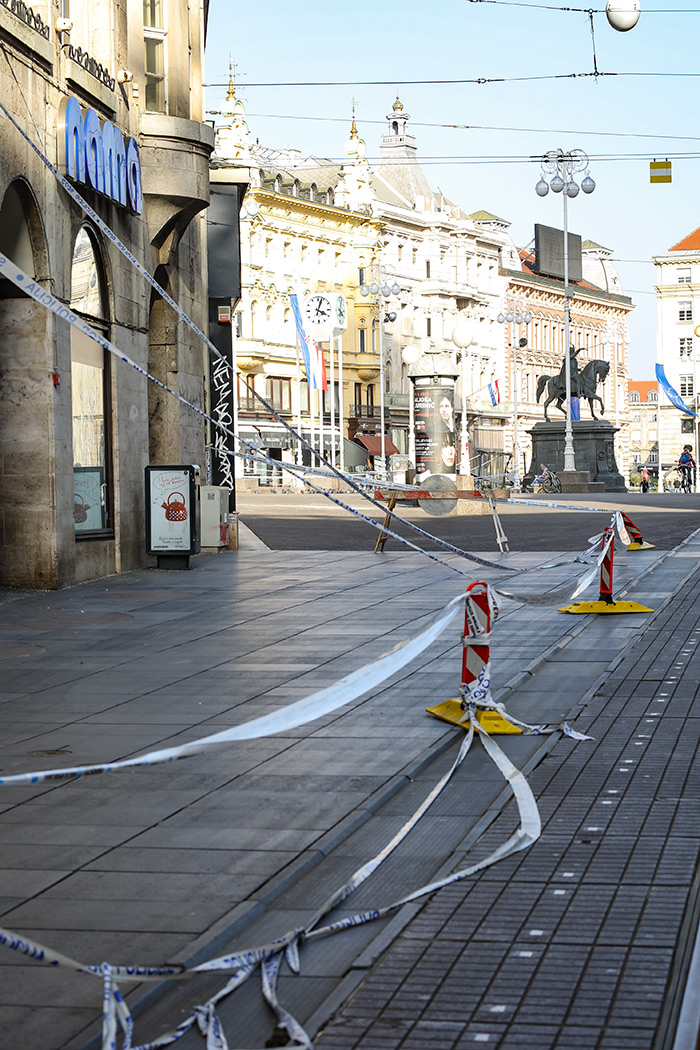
673, 396
302, 337
320, 378
495, 393
314, 359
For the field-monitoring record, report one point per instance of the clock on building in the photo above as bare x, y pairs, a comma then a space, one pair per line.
318, 311
341, 314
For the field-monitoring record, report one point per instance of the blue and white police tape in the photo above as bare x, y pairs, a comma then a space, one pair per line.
143, 271
55, 306
269, 956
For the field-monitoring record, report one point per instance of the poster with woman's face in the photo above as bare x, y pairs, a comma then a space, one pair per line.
436, 451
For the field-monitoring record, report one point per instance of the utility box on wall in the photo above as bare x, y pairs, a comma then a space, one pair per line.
214, 501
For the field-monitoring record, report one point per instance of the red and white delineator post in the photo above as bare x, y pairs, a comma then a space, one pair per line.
638, 542
475, 689
606, 603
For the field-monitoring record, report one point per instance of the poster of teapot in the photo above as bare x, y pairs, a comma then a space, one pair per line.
170, 494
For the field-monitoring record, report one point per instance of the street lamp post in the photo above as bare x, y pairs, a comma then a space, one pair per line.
561, 168
380, 286
463, 337
409, 356
515, 314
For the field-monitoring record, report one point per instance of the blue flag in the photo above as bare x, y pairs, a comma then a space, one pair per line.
673, 396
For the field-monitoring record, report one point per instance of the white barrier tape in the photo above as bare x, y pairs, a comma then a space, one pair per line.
363, 873
622, 528
528, 832
270, 955
588, 578
299, 713
297, 1036
517, 502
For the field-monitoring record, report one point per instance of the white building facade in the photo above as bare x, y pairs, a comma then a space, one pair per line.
678, 345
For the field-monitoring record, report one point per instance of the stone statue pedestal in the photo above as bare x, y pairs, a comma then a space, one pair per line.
594, 451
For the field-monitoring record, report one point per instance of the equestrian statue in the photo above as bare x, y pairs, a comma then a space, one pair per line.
583, 383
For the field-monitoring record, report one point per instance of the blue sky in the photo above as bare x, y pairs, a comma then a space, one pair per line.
620, 121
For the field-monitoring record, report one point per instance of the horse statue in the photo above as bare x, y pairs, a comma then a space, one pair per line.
588, 378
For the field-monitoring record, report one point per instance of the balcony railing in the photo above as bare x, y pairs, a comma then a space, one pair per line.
363, 411
27, 15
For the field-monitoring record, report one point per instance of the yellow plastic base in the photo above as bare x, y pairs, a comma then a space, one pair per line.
605, 607
643, 546
494, 723
451, 711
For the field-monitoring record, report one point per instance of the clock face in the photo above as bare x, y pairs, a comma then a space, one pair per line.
341, 311
318, 310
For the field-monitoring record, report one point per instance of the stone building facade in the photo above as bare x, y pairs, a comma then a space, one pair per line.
110, 94
599, 313
678, 345
644, 427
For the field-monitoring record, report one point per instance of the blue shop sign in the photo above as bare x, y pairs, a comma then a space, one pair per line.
98, 156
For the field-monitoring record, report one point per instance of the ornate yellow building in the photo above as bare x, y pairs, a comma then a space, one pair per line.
305, 228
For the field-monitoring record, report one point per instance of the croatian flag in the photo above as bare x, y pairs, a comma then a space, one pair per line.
495, 393
314, 361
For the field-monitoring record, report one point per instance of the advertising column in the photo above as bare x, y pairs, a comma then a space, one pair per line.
434, 416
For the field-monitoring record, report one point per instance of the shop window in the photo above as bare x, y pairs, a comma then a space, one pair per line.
155, 40
90, 395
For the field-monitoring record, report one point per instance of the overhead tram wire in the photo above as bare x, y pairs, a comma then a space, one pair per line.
585, 10
478, 127
450, 82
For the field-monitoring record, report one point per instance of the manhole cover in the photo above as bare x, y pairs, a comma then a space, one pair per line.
11, 650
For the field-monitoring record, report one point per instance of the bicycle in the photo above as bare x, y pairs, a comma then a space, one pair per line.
686, 481
548, 481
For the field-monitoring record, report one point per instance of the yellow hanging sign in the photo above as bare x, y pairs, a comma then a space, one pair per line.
660, 171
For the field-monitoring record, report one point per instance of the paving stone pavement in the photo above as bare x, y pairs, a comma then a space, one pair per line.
176, 863
583, 941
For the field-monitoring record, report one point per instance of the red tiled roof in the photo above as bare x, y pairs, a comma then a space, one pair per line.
691, 243
643, 387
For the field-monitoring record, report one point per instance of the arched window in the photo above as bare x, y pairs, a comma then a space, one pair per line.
254, 318
15, 241
653, 396
634, 396
90, 393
